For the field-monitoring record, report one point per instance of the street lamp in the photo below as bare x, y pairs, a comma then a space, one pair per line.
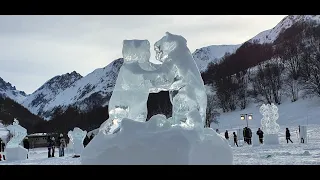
246, 117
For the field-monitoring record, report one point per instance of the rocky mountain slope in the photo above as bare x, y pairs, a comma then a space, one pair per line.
7, 90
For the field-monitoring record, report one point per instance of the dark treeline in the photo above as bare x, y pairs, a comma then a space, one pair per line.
10, 109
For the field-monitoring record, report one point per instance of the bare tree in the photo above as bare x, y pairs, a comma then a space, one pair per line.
311, 77
212, 114
291, 56
268, 82
242, 82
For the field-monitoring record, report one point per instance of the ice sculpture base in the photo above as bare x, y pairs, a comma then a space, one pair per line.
16, 154
142, 143
78, 147
271, 139
255, 140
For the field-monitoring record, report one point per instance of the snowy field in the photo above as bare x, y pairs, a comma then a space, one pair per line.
303, 112
283, 154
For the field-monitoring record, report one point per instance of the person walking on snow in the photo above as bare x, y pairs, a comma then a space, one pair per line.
226, 135
260, 134
288, 135
235, 139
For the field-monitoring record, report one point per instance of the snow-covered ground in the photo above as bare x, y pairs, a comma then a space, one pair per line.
283, 154
39, 156
303, 112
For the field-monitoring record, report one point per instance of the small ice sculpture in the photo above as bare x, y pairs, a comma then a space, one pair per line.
138, 77
269, 124
76, 138
270, 116
18, 133
125, 138
14, 151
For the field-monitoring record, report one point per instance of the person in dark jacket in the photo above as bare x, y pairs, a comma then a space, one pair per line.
235, 139
245, 135
26, 145
51, 147
288, 135
226, 135
249, 135
260, 134
62, 145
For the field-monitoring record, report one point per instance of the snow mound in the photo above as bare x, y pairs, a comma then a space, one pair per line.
141, 143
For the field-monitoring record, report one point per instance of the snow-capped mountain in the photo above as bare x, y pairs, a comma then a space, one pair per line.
7, 90
36, 101
269, 36
93, 90
214, 53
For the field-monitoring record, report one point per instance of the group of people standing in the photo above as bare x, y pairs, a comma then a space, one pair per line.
247, 136
61, 143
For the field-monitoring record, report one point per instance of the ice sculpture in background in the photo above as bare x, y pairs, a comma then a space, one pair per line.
18, 134
125, 138
138, 77
14, 151
269, 124
76, 137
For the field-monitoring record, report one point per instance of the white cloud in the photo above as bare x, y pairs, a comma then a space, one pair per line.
33, 49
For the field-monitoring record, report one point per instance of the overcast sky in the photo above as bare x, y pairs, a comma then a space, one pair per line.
37, 48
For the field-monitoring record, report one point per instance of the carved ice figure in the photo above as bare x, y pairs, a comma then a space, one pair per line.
187, 92
138, 77
76, 137
130, 94
269, 124
18, 132
125, 138
270, 116
14, 151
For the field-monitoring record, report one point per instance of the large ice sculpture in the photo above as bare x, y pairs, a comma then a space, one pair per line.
76, 138
125, 138
14, 151
187, 92
269, 124
138, 77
